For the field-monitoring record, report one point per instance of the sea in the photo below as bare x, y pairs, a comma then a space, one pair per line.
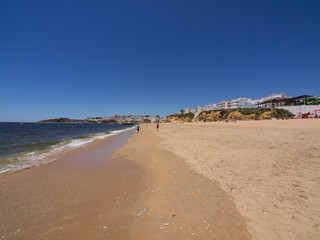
24, 145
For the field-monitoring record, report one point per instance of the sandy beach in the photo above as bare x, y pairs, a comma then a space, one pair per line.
270, 169
74, 197
241, 180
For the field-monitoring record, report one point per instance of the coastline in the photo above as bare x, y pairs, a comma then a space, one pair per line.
178, 202
239, 180
140, 192
73, 197
37, 155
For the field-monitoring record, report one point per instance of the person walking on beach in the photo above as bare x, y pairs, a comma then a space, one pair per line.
138, 129
157, 127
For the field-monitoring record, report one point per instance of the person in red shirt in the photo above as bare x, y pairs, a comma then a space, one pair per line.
157, 127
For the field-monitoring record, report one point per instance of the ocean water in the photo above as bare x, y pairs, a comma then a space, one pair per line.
23, 145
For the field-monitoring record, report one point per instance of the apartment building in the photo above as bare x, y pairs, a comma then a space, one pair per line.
210, 107
241, 102
238, 103
192, 110
223, 105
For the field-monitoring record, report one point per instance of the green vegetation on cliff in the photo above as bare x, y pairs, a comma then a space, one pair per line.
185, 117
224, 114
243, 113
307, 101
60, 120
100, 121
256, 111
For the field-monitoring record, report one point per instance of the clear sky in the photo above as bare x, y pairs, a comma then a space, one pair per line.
78, 59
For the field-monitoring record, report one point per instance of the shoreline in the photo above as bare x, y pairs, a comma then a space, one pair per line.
178, 202
73, 197
242, 180
56, 151
132, 195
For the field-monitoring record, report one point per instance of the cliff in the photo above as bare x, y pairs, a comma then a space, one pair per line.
61, 120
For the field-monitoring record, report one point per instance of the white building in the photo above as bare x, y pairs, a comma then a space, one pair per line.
192, 110
238, 103
223, 105
273, 96
241, 102
210, 107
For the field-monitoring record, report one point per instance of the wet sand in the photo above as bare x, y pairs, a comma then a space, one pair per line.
178, 202
74, 197
243, 180
140, 192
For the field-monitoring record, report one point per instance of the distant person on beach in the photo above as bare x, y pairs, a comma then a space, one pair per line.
157, 127
138, 129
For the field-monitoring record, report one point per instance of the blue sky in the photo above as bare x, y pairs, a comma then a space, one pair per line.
79, 59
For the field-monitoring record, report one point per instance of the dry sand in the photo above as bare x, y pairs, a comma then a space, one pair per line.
243, 180
141, 192
270, 168
178, 203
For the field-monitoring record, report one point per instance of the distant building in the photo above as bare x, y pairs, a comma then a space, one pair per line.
186, 110
192, 110
222, 105
238, 103
273, 100
210, 107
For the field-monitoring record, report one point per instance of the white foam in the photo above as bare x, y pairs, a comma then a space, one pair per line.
78, 143
4, 170
36, 158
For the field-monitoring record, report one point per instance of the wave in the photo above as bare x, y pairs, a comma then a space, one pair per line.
20, 161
